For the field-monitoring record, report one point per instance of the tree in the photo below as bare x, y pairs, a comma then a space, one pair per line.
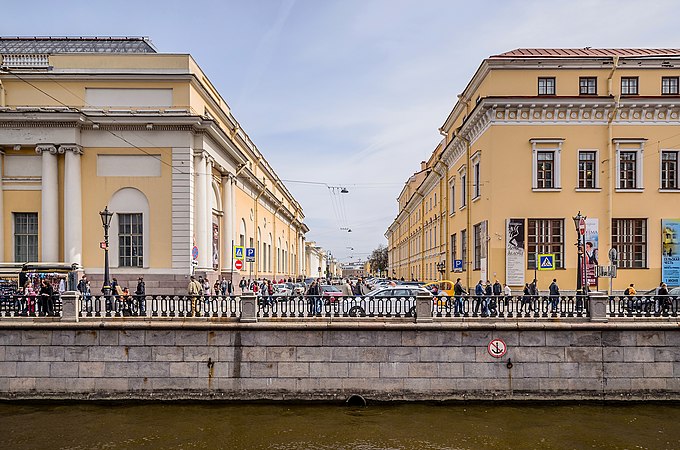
378, 259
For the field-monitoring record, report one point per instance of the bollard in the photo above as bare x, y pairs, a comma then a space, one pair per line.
248, 307
597, 302
70, 306
423, 308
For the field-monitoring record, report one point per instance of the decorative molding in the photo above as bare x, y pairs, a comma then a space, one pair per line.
39, 149
75, 148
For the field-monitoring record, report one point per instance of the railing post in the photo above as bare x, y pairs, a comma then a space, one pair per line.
70, 306
424, 307
248, 307
598, 306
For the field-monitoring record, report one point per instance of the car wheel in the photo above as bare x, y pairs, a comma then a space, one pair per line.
357, 311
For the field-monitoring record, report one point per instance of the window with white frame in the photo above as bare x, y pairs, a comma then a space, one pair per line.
452, 190
629, 85
546, 86
476, 175
629, 238
25, 237
130, 240
463, 248
669, 85
587, 169
463, 187
546, 161
545, 236
629, 163
669, 169
454, 250
477, 247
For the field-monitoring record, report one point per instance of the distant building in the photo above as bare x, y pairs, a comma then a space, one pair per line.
92, 122
536, 136
354, 269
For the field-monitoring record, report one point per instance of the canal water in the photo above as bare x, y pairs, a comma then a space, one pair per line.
288, 426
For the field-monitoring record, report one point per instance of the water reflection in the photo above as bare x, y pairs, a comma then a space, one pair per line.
288, 427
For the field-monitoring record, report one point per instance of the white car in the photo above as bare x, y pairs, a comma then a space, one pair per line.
386, 301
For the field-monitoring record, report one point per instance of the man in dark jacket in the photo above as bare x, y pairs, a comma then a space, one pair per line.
140, 296
554, 294
46, 299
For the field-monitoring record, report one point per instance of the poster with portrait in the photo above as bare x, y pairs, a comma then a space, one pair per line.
514, 252
670, 252
591, 249
216, 246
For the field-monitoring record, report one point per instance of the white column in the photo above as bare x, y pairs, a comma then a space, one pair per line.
49, 217
227, 231
73, 205
208, 209
2, 210
232, 208
200, 225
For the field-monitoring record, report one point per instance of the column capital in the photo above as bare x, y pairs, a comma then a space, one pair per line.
75, 148
46, 148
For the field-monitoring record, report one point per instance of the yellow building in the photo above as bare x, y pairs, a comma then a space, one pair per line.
536, 136
91, 122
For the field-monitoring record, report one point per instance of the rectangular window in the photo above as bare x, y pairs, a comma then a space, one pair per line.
545, 174
629, 85
586, 169
476, 187
629, 238
453, 196
477, 249
435, 236
669, 169
463, 191
25, 237
546, 86
628, 170
587, 86
669, 85
130, 240
463, 248
454, 250
545, 236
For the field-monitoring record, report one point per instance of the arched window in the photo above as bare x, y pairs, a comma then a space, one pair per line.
269, 254
130, 229
260, 244
279, 256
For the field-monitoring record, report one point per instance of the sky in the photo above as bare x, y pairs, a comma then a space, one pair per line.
348, 93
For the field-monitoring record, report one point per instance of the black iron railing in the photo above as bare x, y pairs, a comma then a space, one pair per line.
325, 306
159, 306
30, 306
644, 306
523, 306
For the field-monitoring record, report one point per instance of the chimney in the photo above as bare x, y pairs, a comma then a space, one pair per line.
423, 165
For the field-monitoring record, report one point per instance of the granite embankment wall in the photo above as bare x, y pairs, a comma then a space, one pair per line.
322, 361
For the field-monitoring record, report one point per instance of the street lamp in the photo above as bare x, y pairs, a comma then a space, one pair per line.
441, 267
581, 279
106, 216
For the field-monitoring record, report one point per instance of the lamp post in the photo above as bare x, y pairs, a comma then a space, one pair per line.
581, 280
106, 216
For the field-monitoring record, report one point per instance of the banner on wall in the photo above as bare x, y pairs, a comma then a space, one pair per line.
514, 252
670, 252
216, 246
592, 253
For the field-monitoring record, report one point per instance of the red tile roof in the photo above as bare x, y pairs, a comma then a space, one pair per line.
587, 52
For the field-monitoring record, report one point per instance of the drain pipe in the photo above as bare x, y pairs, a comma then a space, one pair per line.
2, 94
610, 153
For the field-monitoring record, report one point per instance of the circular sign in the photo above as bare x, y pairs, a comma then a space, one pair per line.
582, 226
238, 264
497, 348
194, 252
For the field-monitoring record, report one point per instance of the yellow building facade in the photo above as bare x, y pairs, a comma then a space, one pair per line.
88, 123
536, 136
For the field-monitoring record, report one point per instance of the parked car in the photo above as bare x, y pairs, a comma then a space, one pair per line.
398, 300
442, 285
330, 293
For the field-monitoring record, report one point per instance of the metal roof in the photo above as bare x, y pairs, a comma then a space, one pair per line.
587, 52
52, 45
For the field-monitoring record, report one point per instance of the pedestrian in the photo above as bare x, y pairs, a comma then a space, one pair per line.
554, 295
479, 298
490, 301
140, 296
663, 299
313, 298
629, 293
270, 292
194, 290
526, 298
84, 289
46, 298
62, 285
507, 292
458, 292
224, 287
346, 288
242, 285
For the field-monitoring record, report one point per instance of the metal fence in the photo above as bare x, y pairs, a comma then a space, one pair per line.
643, 306
30, 306
523, 306
323, 306
160, 306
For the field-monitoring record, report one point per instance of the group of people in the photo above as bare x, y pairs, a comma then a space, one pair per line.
661, 301
40, 301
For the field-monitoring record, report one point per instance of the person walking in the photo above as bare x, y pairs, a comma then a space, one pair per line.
84, 289
489, 300
458, 292
313, 298
140, 296
554, 295
194, 290
663, 298
346, 288
479, 297
46, 298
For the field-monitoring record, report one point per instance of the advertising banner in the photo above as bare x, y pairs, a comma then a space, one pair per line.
592, 255
670, 252
216, 246
514, 252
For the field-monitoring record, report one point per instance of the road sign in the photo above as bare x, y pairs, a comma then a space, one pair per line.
458, 265
497, 348
606, 271
194, 252
102, 245
238, 264
582, 226
250, 254
238, 252
546, 261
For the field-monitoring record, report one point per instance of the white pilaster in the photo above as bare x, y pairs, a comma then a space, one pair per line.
2, 210
73, 205
228, 230
49, 217
208, 210
201, 195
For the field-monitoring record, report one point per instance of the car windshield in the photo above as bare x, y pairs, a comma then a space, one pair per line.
329, 288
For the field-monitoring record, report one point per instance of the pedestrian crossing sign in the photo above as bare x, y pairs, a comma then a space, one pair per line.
238, 252
546, 261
